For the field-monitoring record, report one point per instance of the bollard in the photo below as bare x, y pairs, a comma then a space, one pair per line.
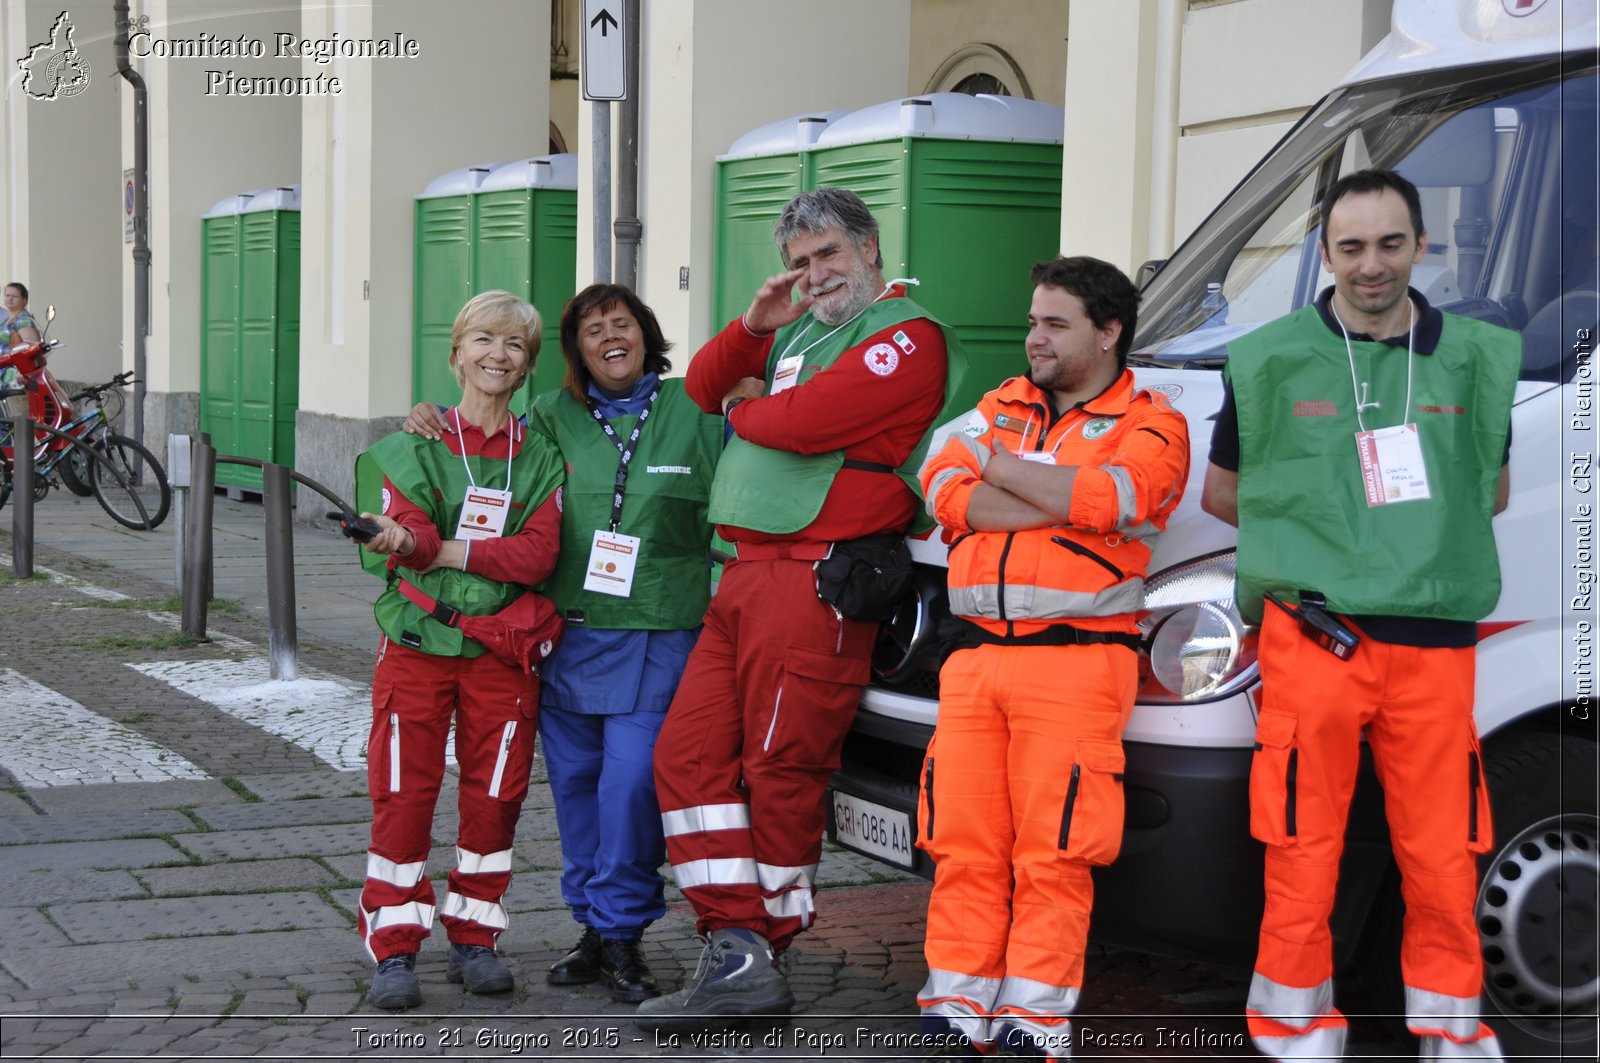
178, 451
22, 496
282, 645
197, 561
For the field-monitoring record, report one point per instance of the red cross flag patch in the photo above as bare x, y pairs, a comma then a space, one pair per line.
882, 359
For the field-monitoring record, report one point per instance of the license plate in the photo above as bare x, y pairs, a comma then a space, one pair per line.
872, 828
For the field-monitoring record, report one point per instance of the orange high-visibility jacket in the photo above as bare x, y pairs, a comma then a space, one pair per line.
1132, 452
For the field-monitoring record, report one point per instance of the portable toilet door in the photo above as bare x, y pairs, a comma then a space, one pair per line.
250, 329
967, 193
441, 278
756, 178
525, 241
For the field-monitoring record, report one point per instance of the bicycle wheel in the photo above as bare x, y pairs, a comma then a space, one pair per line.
115, 455
76, 475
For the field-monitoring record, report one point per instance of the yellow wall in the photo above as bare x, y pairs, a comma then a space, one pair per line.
961, 37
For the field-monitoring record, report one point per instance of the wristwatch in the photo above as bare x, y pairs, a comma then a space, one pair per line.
728, 409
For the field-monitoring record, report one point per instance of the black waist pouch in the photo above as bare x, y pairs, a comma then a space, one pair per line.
866, 578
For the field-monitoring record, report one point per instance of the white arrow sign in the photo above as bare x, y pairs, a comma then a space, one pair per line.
605, 34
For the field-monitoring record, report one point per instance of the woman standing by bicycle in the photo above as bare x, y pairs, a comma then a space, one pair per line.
469, 524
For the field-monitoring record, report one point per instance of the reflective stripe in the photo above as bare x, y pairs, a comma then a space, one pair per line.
1485, 1046
1143, 530
777, 876
394, 752
1127, 498
733, 871
1446, 1018
506, 735
1024, 996
1023, 602
777, 702
797, 903
412, 913
484, 913
699, 818
938, 484
1284, 1003
963, 1000
471, 863
403, 875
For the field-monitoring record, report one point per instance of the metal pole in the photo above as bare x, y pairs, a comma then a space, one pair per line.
179, 449
197, 561
628, 227
282, 644
602, 192
22, 495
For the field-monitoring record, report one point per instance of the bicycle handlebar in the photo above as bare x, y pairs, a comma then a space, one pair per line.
121, 380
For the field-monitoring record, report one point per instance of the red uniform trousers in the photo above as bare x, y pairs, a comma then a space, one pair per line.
1415, 705
753, 734
414, 696
1021, 796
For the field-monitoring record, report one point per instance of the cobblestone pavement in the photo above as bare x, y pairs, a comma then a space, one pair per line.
181, 849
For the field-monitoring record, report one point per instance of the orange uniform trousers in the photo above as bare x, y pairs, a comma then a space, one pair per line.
1415, 705
1021, 796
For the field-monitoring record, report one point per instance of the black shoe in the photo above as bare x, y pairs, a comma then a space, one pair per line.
394, 983
624, 973
478, 968
580, 966
737, 976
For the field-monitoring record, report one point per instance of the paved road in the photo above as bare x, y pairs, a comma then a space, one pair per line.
181, 849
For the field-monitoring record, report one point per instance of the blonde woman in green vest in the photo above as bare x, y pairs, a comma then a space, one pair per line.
633, 583
469, 522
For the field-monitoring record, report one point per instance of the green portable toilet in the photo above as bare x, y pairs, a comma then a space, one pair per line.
525, 240
967, 193
250, 329
441, 278
759, 173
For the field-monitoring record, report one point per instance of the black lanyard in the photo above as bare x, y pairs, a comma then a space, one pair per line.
626, 449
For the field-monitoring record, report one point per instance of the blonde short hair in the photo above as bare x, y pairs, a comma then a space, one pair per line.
497, 311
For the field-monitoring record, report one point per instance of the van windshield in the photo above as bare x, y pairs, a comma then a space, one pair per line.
1504, 158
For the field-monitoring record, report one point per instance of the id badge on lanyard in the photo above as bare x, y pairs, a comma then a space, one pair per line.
483, 513
1392, 469
787, 373
613, 556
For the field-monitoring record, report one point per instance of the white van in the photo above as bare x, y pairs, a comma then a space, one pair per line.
1490, 107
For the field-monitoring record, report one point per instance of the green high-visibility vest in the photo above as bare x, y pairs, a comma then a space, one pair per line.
664, 504
777, 491
1304, 521
435, 481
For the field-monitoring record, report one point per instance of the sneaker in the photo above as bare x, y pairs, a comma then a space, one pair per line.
580, 966
945, 1040
737, 975
478, 968
1012, 1042
624, 973
394, 983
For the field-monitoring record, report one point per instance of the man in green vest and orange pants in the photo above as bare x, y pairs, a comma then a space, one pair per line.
827, 398
1361, 451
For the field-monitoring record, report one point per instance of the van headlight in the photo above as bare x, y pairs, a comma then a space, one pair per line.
1200, 648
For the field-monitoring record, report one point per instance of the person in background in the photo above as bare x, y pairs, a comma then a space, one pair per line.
16, 323
633, 582
1361, 449
469, 522
826, 397
1052, 495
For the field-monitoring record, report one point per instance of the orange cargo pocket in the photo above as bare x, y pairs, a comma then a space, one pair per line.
1480, 823
925, 807
1272, 780
1093, 809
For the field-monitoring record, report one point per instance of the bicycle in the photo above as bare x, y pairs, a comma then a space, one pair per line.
107, 470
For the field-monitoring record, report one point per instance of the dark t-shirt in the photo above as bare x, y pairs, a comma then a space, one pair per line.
1400, 630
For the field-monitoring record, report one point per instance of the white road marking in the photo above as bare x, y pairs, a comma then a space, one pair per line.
318, 713
47, 739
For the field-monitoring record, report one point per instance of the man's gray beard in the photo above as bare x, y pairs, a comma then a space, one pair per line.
861, 297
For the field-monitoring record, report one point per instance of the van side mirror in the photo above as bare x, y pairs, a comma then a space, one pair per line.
1147, 271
